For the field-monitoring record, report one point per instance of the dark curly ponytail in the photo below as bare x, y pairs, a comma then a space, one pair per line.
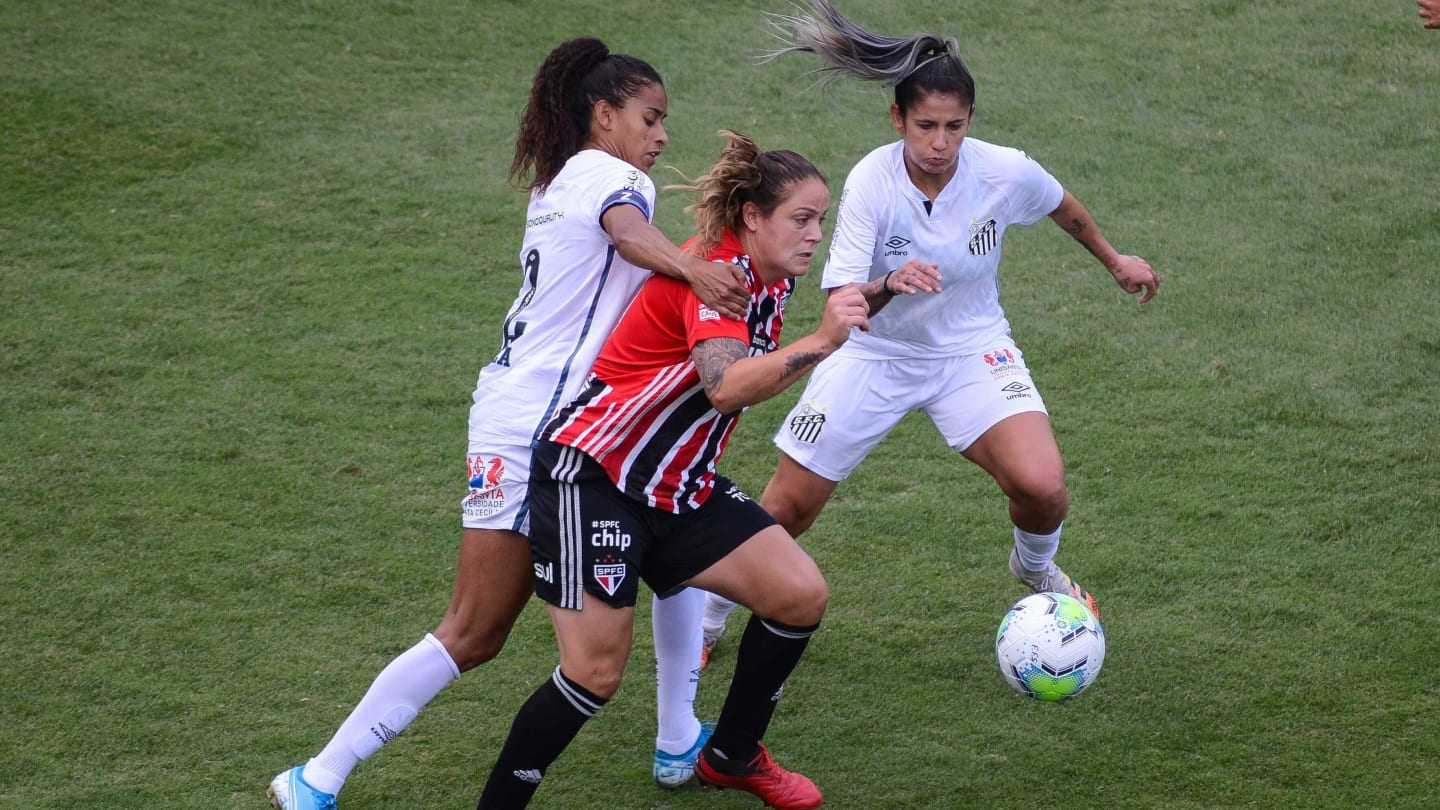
578, 74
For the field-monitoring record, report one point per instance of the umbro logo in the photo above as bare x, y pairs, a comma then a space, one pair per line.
897, 245
1016, 387
384, 733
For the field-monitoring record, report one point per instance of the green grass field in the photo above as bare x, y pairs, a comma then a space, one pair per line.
252, 256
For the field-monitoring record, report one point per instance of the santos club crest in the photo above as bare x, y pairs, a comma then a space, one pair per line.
806, 424
985, 237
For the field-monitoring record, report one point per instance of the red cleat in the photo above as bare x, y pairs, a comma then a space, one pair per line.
777, 787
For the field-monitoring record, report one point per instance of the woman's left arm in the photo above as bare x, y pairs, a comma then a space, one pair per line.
1132, 273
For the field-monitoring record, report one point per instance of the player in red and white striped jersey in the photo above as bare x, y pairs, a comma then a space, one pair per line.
645, 415
624, 487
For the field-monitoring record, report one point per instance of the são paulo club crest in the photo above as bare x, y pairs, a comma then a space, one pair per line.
610, 576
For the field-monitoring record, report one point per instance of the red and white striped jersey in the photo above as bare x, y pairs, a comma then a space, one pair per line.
643, 414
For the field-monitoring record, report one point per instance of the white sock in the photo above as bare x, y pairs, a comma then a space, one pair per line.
676, 624
398, 693
1036, 550
717, 610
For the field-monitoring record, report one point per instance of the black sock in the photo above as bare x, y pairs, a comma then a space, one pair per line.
768, 654
547, 723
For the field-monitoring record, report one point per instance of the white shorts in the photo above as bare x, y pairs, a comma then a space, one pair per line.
503, 424
851, 404
499, 478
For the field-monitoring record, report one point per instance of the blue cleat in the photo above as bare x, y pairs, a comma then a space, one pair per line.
674, 770
290, 791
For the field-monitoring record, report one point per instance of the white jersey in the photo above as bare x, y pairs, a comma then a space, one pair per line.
885, 221
575, 288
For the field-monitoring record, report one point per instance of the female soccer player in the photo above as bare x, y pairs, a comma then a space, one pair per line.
927, 214
624, 485
591, 130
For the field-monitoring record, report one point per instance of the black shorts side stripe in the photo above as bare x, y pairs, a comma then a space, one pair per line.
572, 585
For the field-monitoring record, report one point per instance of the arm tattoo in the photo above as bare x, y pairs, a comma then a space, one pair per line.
797, 364
713, 356
1075, 227
876, 293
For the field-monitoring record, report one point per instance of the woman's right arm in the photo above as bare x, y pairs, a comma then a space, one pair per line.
720, 286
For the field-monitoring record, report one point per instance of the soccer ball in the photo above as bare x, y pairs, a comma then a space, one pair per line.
1050, 646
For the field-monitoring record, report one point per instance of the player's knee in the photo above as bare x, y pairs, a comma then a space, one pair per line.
805, 601
1046, 499
472, 646
801, 520
1056, 501
601, 677
794, 513
817, 599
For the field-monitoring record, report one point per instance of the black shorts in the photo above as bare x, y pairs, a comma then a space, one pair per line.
588, 536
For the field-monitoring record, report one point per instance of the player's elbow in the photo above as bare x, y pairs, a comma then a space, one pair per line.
726, 394
628, 246
727, 404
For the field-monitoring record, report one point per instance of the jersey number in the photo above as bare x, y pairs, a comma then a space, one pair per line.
514, 327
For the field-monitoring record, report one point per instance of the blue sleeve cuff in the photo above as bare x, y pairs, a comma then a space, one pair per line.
627, 196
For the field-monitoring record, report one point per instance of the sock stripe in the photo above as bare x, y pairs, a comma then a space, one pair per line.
582, 700
789, 631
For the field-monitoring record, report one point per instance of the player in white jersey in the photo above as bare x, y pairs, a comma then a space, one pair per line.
574, 290
920, 229
591, 130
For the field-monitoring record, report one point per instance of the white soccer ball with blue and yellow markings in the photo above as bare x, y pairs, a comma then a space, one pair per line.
1050, 646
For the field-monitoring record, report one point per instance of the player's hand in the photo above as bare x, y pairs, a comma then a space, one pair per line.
1135, 275
719, 285
1430, 12
844, 309
915, 277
